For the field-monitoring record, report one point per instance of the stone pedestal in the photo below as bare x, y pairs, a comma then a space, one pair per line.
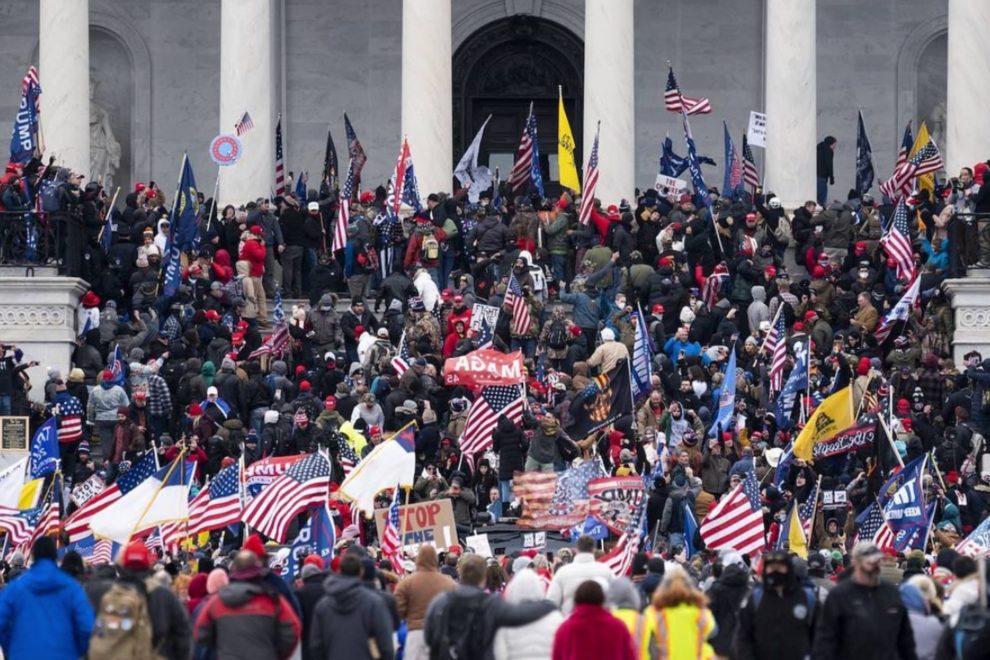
970, 300
38, 314
791, 100
967, 94
63, 71
609, 96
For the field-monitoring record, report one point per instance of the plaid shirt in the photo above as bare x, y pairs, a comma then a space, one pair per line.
159, 398
932, 385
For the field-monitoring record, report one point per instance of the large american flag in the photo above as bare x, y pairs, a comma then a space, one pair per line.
778, 353
494, 402
888, 187
620, 558
96, 553
927, 160
523, 167
515, 299
750, 176
713, 285
590, 181
391, 544
899, 312
303, 485
19, 524
401, 361
343, 210
896, 242
555, 499
279, 159
674, 101
69, 413
214, 507
873, 527
354, 149
77, 526
736, 522
244, 124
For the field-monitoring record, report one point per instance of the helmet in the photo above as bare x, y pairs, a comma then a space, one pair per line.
774, 203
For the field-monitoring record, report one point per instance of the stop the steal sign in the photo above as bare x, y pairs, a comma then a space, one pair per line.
424, 522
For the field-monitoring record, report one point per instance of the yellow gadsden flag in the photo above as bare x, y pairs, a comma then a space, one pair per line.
926, 182
796, 541
832, 415
565, 151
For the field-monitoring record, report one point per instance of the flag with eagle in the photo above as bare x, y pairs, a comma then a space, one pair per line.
608, 398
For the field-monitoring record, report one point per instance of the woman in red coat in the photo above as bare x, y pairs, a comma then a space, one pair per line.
591, 632
253, 252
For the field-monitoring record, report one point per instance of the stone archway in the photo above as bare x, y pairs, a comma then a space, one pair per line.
503, 67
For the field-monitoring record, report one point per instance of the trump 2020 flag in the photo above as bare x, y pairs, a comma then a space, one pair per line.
904, 508
185, 213
390, 463
163, 497
44, 449
641, 372
24, 136
726, 397
864, 158
317, 537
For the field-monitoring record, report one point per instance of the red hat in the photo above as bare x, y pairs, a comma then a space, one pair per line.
367, 196
750, 217
314, 560
335, 564
529, 552
304, 386
799, 326
771, 271
256, 230
612, 209
255, 545
458, 297
726, 436
358, 330
952, 477
891, 262
374, 430
810, 315
136, 556
818, 272
194, 410
139, 186
447, 293
684, 199
863, 366
212, 315
455, 549
860, 247
300, 369
90, 299
903, 406
657, 309
228, 461
575, 331
330, 403
106, 374
666, 261
906, 423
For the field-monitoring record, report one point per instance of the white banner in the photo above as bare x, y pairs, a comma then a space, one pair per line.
756, 134
666, 184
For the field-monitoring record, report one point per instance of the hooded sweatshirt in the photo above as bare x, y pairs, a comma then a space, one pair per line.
247, 621
415, 593
347, 619
534, 640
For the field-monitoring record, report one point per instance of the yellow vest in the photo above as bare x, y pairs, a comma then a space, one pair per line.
681, 632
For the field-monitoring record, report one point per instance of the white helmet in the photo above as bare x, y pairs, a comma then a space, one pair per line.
774, 203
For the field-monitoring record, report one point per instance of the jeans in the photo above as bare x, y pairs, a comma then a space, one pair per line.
447, 261
67, 454
105, 430
435, 275
526, 344
308, 264
258, 419
822, 190
558, 264
505, 494
533, 466
292, 262
5, 402
269, 277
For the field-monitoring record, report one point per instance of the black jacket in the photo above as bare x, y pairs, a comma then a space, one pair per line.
510, 444
346, 619
774, 629
864, 622
725, 597
824, 159
309, 594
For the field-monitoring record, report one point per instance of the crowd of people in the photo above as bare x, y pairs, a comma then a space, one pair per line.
708, 279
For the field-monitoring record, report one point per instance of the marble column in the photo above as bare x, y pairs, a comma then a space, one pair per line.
609, 96
63, 71
967, 94
791, 100
247, 85
427, 112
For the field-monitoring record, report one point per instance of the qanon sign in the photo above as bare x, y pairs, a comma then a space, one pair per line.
614, 501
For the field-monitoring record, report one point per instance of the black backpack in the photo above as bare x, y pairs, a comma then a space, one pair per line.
461, 626
972, 619
557, 336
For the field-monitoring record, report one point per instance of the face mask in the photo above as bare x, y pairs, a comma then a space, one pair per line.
863, 274
774, 580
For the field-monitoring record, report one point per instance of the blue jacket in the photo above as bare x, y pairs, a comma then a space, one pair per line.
45, 614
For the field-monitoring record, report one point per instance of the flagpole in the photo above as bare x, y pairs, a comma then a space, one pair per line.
213, 203
242, 491
772, 324
178, 459
107, 211
866, 134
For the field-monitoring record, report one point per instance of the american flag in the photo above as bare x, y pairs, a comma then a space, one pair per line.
555, 499
214, 507
244, 125
50, 522
303, 485
896, 242
31, 80
713, 285
399, 177
354, 149
888, 187
806, 512
901, 311
778, 353
279, 159
873, 527
674, 101
736, 522
70, 418
523, 167
343, 210
750, 176
590, 182
515, 299
348, 457
153, 541
77, 525
494, 402
97, 553
620, 558
278, 341
19, 525
391, 544
401, 361
927, 160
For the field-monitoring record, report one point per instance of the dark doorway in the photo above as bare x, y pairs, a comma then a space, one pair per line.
502, 68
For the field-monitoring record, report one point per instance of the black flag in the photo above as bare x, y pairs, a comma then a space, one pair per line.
330, 164
864, 159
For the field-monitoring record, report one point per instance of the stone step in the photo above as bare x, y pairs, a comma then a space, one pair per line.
28, 270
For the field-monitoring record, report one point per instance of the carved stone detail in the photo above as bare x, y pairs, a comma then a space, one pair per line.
33, 315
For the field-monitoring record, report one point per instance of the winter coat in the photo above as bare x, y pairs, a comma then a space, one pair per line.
326, 325
44, 613
780, 627
592, 633
253, 252
863, 622
725, 598
414, 594
246, 620
347, 619
104, 401
510, 444
489, 236
534, 641
568, 578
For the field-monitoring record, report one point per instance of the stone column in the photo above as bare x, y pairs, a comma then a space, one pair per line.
791, 100
427, 112
970, 300
247, 85
63, 70
609, 96
968, 95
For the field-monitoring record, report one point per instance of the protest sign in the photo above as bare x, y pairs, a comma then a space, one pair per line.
756, 133
615, 500
424, 522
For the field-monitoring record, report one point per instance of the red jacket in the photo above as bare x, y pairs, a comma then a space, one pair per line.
592, 633
254, 253
244, 620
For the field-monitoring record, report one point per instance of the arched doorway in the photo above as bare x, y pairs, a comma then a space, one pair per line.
502, 68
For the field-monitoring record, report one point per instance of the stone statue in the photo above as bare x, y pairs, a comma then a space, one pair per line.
936, 125
104, 150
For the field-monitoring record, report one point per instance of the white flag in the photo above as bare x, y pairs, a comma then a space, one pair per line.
476, 179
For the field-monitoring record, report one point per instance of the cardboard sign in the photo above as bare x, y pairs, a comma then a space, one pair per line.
756, 133
87, 490
484, 314
667, 184
484, 367
534, 539
425, 522
479, 544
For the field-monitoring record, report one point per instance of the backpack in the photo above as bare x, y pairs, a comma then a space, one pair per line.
234, 289
972, 619
557, 336
460, 626
429, 249
783, 232
51, 198
123, 625
810, 597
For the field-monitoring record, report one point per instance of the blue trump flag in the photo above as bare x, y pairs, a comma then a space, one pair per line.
44, 450
590, 527
700, 188
690, 529
864, 158
301, 187
732, 182
24, 136
796, 383
726, 397
317, 538
185, 213
903, 501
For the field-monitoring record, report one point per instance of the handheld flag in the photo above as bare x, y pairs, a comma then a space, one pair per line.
864, 158
700, 188
726, 396
641, 364
317, 537
834, 414
733, 179
391, 541
475, 178
44, 449
78, 524
750, 175
392, 462
244, 124
899, 312
330, 167
303, 485
590, 182
24, 136
736, 522
279, 159
566, 165
354, 150
606, 399
301, 187
896, 242
674, 101
924, 181
182, 228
